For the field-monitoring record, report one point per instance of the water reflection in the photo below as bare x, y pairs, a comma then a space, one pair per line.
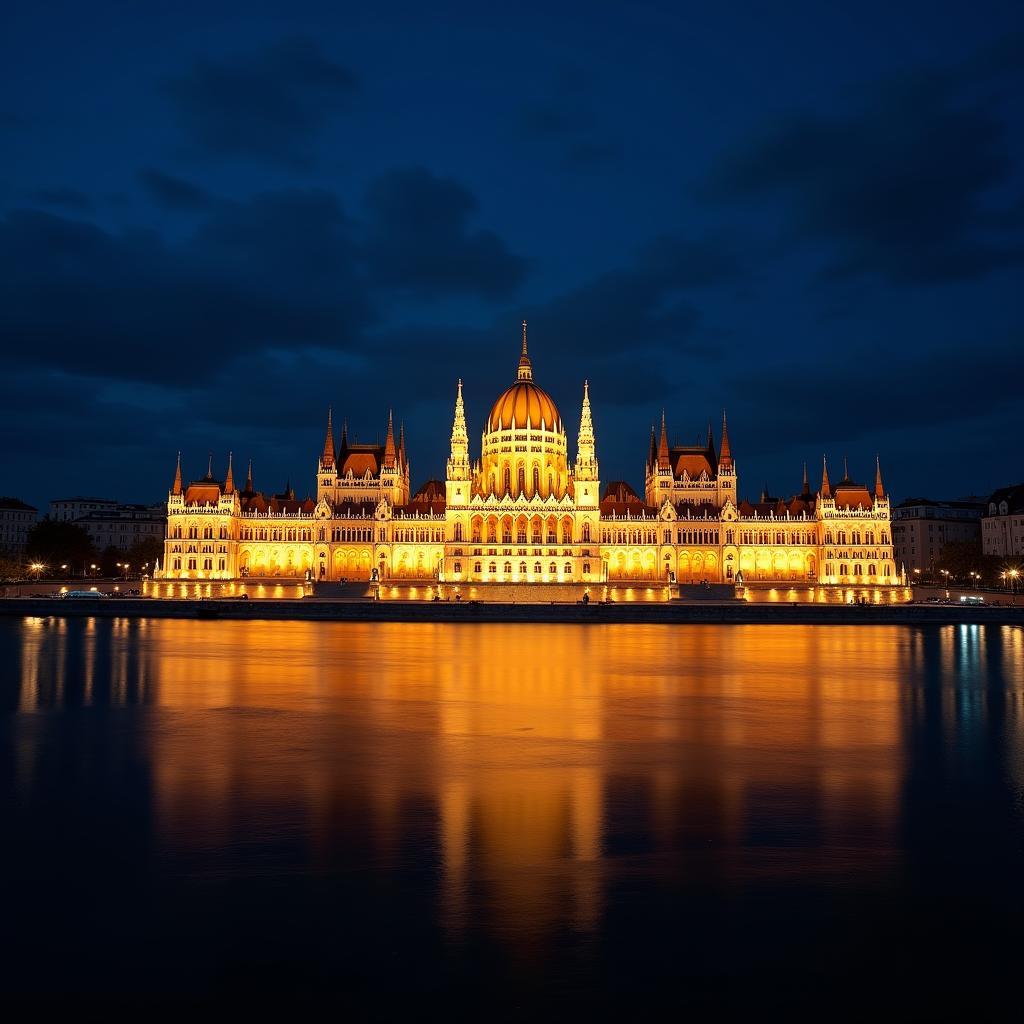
511, 787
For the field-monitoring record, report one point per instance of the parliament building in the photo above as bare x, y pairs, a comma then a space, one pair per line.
523, 513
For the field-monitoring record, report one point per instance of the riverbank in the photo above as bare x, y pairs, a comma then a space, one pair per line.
313, 609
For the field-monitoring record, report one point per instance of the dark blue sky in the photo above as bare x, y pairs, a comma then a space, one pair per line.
214, 225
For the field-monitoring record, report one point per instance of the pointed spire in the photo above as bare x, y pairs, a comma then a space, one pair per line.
711, 439
879, 489
826, 487
176, 489
663, 456
764, 492
725, 454
389, 443
209, 468
806, 490
229, 480
327, 458
586, 455
525, 367
846, 469
401, 443
458, 458
248, 479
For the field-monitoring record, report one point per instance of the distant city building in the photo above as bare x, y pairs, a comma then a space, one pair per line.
523, 512
921, 528
67, 510
109, 523
123, 526
16, 519
1002, 525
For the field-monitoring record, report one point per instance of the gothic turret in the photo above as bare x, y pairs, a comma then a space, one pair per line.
176, 488
327, 458
586, 454
826, 487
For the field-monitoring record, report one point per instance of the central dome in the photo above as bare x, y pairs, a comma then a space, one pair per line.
524, 403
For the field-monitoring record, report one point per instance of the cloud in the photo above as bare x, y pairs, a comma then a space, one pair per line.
899, 187
276, 271
171, 192
883, 387
418, 237
66, 198
584, 154
273, 103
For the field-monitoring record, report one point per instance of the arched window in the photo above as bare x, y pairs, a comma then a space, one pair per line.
508, 568
585, 535
491, 567
536, 479
552, 568
508, 480
458, 531
536, 568
568, 568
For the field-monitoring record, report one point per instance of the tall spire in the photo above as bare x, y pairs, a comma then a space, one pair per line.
327, 458
711, 439
229, 480
248, 479
586, 455
846, 469
458, 461
826, 487
725, 455
401, 443
209, 468
663, 456
807, 487
879, 489
342, 444
525, 367
389, 443
176, 489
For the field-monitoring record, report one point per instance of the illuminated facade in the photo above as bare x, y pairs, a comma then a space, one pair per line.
522, 513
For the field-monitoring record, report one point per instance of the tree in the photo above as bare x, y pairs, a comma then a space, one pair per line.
55, 543
108, 559
145, 552
962, 557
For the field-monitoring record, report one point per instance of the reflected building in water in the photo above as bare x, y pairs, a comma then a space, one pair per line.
529, 793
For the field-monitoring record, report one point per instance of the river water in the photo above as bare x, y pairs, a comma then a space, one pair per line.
514, 819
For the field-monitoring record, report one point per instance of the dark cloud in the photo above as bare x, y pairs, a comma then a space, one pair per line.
899, 187
419, 237
64, 198
277, 271
171, 192
273, 103
882, 387
584, 154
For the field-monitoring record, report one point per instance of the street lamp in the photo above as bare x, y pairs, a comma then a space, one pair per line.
37, 568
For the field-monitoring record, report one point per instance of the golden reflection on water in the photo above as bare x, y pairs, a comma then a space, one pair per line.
532, 762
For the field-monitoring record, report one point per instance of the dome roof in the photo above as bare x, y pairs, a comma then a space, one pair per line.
524, 403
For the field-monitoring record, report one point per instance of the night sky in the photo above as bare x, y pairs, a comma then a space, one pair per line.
215, 225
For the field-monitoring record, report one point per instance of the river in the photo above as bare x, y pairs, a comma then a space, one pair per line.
514, 818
